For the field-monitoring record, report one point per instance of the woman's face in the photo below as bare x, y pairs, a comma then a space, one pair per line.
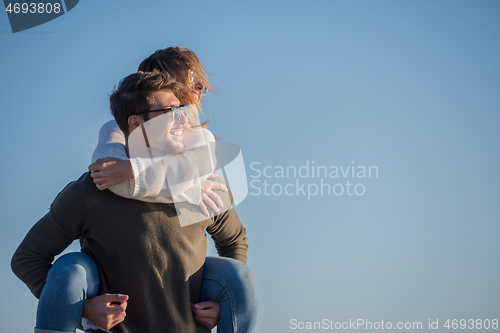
196, 85
197, 94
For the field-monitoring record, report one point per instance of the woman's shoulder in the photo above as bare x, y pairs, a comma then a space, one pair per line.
109, 127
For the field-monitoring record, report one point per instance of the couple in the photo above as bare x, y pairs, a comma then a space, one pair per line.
139, 269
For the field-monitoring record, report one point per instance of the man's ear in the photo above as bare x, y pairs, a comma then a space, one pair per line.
134, 122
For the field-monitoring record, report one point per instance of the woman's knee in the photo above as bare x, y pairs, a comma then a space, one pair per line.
76, 262
75, 268
231, 271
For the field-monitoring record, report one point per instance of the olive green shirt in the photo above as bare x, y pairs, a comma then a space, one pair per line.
140, 248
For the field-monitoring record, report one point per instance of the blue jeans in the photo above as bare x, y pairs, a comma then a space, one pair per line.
74, 277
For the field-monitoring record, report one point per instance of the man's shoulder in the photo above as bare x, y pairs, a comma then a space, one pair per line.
85, 181
82, 186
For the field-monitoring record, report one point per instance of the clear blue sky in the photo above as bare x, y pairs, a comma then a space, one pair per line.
410, 87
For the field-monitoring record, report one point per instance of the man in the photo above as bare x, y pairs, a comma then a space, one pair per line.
150, 267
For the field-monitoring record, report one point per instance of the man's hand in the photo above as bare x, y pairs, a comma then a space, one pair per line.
110, 171
209, 197
106, 310
206, 313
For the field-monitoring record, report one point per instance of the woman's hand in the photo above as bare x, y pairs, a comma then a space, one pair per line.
110, 171
209, 197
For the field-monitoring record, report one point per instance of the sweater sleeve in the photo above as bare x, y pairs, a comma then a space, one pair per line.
229, 235
47, 238
111, 142
167, 179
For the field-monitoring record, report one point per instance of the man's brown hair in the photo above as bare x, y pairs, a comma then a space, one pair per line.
134, 95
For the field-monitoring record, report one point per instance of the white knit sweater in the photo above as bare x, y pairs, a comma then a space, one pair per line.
153, 169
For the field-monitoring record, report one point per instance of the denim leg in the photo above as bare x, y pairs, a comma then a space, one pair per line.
231, 282
72, 279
